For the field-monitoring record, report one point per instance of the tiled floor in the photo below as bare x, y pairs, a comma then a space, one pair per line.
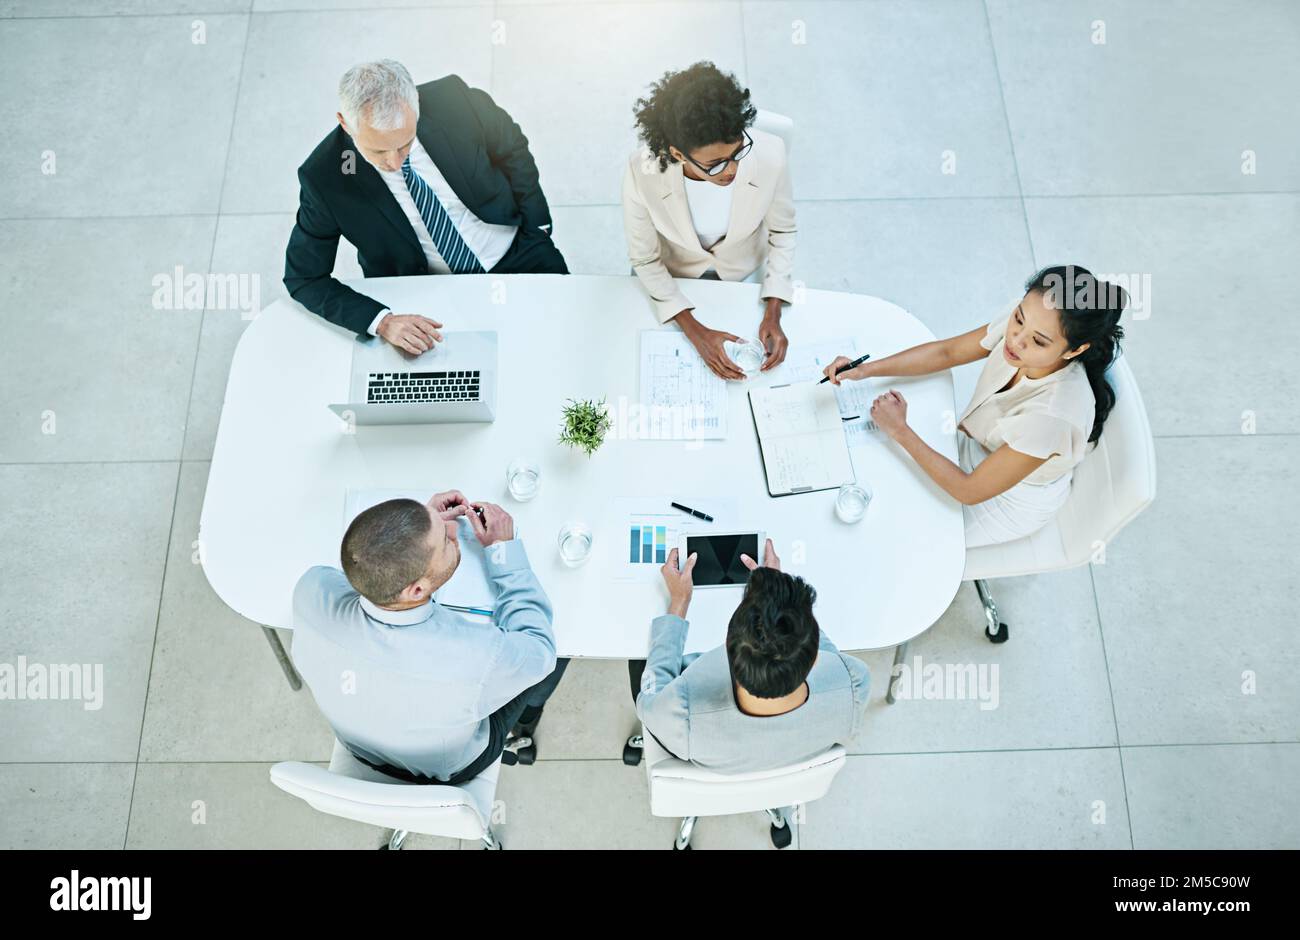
1150, 702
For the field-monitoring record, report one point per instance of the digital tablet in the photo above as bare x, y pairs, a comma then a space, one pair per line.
719, 564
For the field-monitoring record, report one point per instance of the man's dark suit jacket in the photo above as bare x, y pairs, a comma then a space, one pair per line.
476, 146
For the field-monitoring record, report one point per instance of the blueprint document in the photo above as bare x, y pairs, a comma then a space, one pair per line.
682, 398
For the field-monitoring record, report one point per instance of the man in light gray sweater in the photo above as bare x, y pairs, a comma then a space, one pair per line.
777, 693
411, 688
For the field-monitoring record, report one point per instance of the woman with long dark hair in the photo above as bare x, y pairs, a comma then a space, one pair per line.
709, 196
1041, 400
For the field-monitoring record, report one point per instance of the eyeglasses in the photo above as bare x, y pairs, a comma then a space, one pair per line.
741, 152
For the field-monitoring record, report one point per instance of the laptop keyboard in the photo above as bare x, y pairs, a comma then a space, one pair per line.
423, 387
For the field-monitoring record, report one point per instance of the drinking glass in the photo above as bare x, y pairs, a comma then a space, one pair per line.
523, 479
851, 502
574, 543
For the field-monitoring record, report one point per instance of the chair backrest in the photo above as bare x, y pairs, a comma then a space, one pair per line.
1113, 483
777, 124
452, 812
1117, 479
679, 788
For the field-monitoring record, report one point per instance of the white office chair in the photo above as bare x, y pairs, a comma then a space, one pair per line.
1115, 482
777, 124
352, 790
679, 788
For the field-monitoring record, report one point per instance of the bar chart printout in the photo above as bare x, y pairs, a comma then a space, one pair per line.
647, 544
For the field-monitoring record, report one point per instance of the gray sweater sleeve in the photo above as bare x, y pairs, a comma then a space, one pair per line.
661, 704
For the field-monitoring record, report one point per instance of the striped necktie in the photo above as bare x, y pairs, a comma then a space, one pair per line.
446, 239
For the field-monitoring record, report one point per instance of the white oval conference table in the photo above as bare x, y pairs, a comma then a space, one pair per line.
283, 462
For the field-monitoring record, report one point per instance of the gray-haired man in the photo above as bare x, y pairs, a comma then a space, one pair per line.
411, 688
428, 179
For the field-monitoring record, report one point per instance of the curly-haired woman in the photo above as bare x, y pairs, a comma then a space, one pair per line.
709, 196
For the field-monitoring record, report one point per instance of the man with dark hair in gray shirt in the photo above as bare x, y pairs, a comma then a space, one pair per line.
777, 693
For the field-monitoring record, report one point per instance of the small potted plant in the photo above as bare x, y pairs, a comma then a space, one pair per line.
585, 424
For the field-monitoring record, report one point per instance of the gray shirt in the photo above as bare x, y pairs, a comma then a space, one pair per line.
690, 707
414, 688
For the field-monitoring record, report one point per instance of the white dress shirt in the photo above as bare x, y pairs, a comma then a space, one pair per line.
489, 242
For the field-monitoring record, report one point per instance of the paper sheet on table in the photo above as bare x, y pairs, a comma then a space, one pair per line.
685, 400
807, 362
645, 529
801, 437
469, 585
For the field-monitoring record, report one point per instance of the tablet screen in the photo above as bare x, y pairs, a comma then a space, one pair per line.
719, 557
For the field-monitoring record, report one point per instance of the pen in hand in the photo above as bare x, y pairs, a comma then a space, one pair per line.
845, 368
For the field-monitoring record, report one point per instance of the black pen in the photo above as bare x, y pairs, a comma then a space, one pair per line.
694, 512
845, 368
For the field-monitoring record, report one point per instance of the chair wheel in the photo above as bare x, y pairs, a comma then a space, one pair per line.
681, 848
782, 837
632, 754
527, 755
999, 637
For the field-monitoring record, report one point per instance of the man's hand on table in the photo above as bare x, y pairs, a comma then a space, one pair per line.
449, 505
491, 523
410, 332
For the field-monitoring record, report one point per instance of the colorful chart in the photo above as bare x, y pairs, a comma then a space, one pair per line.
648, 544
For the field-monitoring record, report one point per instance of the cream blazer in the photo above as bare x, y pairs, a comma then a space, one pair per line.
661, 239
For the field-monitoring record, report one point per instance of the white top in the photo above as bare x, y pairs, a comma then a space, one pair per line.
710, 209
283, 462
488, 241
1049, 417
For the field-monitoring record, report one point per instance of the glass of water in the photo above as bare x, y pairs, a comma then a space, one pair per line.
851, 502
574, 543
523, 478
748, 356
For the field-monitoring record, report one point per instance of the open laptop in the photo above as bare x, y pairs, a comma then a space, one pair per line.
454, 382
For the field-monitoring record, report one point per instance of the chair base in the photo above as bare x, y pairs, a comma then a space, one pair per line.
398, 839
781, 833
996, 631
633, 749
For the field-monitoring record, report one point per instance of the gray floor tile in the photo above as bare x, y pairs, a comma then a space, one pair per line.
1168, 103
1049, 688
83, 561
38, 8
288, 94
136, 114
247, 246
1198, 596
1071, 799
93, 371
603, 804
951, 263
591, 714
216, 692
1215, 266
591, 239
576, 108
880, 94
1224, 797
64, 806
235, 806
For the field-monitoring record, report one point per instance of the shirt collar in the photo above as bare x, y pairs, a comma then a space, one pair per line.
398, 618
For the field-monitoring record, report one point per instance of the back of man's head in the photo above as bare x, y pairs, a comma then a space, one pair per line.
386, 548
772, 638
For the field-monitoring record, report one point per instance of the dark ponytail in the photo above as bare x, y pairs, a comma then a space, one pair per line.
1090, 310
